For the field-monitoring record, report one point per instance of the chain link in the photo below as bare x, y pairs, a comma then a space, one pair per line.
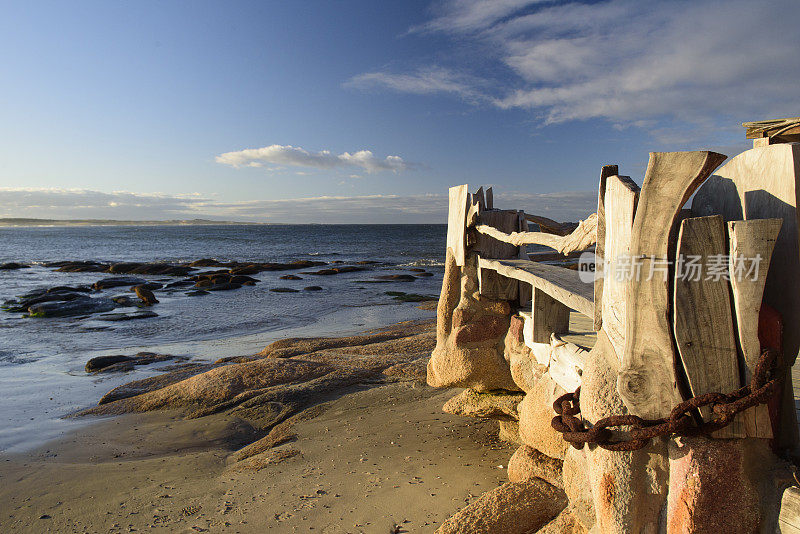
765, 382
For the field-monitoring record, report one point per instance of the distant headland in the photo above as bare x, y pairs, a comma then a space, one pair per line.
10, 221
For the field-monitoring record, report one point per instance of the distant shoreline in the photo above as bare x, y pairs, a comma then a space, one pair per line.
27, 223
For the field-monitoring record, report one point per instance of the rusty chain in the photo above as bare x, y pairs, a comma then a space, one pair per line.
763, 385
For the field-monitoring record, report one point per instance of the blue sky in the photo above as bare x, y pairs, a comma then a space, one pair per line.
364, 111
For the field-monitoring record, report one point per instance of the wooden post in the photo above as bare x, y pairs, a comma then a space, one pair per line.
457, 222
492, 285
599, 249
548, 316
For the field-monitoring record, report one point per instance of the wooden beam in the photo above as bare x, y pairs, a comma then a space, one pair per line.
562, 284
479, 197
599, 250
748, 240
457, 222
621, 197
647, 381
702, 312
581, 238
549, 225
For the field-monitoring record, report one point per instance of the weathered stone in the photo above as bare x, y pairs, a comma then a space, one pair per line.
629, 489
564, 523
482, 329
145, 294
535, 417
482, 369
489, 404
575, 474
527, 463
513, 508
448, 298
509, 432
462, 316
496, 307
715, 485
516, 329
118, 281
78, 306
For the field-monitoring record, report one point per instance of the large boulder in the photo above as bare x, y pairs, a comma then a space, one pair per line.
536, 415
525, 370
527, 463
564, 523
513, 508
575, 473
489, 404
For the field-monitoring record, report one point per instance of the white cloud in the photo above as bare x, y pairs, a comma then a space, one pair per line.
708, 64
423, 81
292, 156
423, 208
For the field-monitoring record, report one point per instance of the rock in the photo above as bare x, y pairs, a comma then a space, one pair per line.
179, 283
312, 288
484, 329
150, 286
79, 306
513, 508
153, 383
244, 280
509, 432
527, 463
245, 271
205, 262
535, 417
290, 277
145, 294
78, 266
24, 303
415, 370
117, 281
197, 293
409, 297
284, 290
576, 485
490, 404
564, 523
223, 287
397, 277
112, 363
13, 266
525, 370
113, 317
416, 270
424, 275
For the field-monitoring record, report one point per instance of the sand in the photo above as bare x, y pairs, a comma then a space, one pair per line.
378, 459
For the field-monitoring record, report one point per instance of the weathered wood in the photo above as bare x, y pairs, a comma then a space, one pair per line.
480, 198
456, 222
492, 285
772, 128
567, 361
552, 256
621, 196
548, 316
599, 250
647, 381
562, 284
581, 238
549, 225
702, 312
489, 198
789, 516
748, 240
540, 350
525, 290
762, 183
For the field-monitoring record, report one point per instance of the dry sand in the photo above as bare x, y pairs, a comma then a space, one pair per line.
380, 459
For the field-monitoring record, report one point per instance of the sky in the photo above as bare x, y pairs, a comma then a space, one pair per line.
354, 111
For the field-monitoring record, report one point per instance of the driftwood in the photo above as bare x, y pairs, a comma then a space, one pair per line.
456, 223
647, 382
772, 128
599, 249
550, 226
581, 238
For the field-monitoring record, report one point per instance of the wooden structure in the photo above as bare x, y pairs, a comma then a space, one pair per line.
674, 336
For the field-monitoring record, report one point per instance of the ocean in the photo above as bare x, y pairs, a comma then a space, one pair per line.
41, 359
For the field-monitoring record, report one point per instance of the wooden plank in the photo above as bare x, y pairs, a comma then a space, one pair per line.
457, 222
479, 198
748, 240
562, 284
703, 321
548, 316
489, 198
789, 516
567, 361
647, 381
599, 249
621, 197
762, 183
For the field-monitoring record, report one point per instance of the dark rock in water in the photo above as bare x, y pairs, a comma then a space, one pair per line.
24, 303
151, 286
397, 277
12, 265
223, 287
79, 306
248, 283
145, 294
246, 270
125, 363
368, 262
179, 283
337, 270
242, 279
290, 277
78, 266
196, 293
205, 262
284, 290
118, 281
312, 288
205, 282
337, 261
143, 314
150, 268
125, 301
420, 275
58, 289
409, 297
416, 270
300, 264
